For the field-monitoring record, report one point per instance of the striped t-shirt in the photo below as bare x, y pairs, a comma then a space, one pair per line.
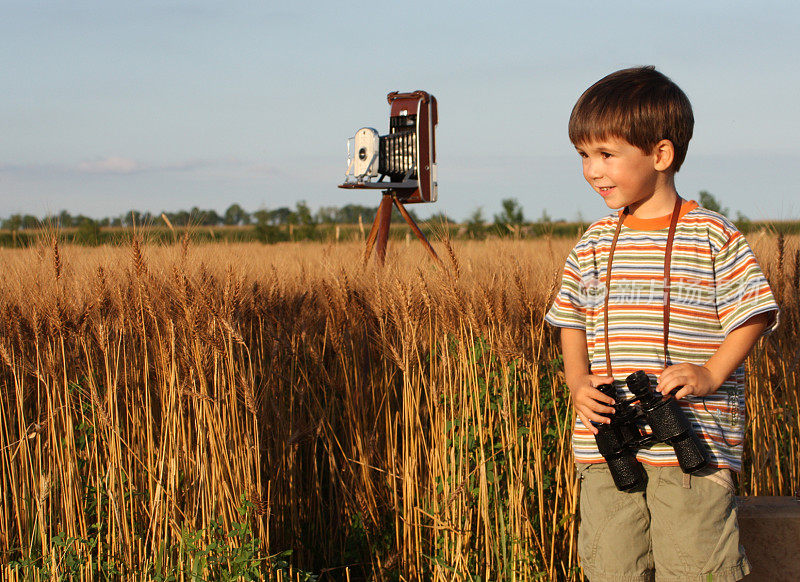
716, 286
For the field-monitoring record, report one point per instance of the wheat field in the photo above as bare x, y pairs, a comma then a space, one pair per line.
246, 412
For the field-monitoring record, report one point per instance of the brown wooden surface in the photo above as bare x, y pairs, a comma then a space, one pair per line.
769, 530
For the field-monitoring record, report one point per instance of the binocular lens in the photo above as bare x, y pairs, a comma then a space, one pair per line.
690, 453
627, 472
608, 390
638, 383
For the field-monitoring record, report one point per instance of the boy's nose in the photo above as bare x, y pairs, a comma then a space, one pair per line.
593, 170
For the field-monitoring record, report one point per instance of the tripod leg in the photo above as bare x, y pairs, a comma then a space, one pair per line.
417, 230
385, 217
373, 232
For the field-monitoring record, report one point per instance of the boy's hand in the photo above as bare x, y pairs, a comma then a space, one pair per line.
689, 378
706, 379
588, 400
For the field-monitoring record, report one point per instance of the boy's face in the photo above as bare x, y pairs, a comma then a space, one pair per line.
620, 172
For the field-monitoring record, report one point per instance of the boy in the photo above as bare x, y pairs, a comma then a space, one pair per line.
673, 289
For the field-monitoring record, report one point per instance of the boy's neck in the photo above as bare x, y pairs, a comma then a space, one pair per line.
659, 203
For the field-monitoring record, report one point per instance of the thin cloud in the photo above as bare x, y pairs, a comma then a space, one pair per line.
121, 166
263, 169
110, 165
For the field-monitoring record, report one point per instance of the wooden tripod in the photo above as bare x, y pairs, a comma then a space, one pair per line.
380, 229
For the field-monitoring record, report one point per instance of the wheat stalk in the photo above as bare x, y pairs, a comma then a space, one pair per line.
408, 405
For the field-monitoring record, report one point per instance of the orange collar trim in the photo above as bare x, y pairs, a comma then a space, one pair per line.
658, 222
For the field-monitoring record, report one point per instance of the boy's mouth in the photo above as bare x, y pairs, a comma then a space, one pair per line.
605, 189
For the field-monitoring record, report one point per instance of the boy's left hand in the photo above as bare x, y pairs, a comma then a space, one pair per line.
690, 378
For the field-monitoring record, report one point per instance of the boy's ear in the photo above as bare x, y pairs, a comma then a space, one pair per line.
663, 155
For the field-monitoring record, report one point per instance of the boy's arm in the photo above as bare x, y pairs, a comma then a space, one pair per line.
588, 401
706, 379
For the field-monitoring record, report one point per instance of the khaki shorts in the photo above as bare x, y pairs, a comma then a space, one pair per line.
679, 528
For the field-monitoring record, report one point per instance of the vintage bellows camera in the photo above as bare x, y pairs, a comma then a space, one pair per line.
619, 440
404, 160
402, 164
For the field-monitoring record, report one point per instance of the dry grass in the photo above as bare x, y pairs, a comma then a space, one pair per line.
407, 422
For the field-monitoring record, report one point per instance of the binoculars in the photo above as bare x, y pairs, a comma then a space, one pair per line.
619, 440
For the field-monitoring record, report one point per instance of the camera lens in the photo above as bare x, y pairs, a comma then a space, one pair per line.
362, 154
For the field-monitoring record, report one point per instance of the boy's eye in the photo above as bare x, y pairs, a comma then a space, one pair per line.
605, 154
583, 154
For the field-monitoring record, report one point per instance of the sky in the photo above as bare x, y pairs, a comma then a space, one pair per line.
108, 106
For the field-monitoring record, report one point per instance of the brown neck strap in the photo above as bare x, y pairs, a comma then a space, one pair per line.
673, 223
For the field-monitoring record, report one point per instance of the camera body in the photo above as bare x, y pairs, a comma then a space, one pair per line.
619, 440
404, 160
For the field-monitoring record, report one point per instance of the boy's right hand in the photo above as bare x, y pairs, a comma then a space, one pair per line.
589, 402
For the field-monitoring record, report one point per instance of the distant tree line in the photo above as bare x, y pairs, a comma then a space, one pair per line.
285, 223
301, 215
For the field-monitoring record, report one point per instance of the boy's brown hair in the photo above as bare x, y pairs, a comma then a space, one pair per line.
641, 106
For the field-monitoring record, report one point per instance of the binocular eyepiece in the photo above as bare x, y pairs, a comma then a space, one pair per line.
619, 440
